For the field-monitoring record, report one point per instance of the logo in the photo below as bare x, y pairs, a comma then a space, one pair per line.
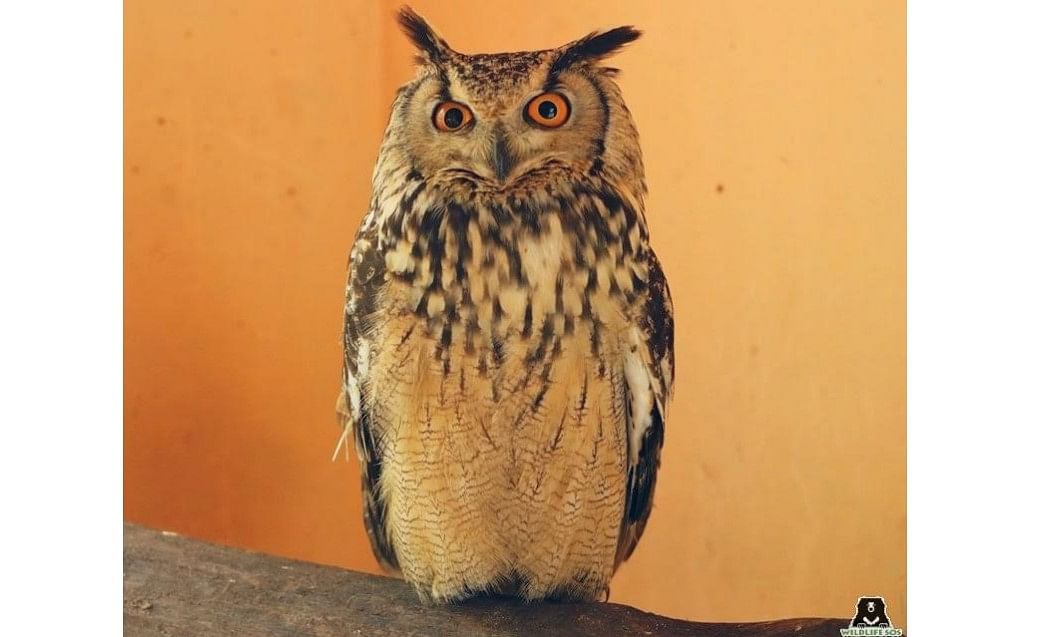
871, 620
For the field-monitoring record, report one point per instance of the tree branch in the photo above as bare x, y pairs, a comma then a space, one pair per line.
176, 586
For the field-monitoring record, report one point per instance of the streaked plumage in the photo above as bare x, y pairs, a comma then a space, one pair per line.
508, 336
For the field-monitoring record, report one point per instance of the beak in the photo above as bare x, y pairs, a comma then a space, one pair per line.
501, 160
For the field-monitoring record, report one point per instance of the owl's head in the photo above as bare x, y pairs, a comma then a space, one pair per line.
511, 121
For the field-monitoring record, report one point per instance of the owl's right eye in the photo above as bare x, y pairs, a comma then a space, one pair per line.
450, 117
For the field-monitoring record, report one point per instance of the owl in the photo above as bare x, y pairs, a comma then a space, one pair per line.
508, 339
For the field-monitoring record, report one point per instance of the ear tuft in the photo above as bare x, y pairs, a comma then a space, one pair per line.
431, 45
594, 47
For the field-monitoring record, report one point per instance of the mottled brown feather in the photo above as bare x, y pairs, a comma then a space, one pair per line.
508, 353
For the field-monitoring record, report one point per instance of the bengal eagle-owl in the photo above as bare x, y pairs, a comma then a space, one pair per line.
508, 335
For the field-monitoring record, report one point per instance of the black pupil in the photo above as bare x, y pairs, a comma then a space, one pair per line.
547, 109
453, 118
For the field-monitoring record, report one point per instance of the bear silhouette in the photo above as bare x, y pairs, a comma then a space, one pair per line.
871, 612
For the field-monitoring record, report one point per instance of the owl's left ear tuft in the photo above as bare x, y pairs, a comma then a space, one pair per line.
594, 46
431, 45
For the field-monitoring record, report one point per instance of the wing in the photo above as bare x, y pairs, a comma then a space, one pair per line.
649, 373
364, 284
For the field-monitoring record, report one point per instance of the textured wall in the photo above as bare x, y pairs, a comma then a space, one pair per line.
774, 136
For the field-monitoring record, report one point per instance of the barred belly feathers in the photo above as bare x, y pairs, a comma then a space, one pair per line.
508, 333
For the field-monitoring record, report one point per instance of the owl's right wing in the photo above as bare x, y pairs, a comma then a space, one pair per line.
365, 281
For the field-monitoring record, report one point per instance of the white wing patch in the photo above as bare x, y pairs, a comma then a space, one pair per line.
353, 392
640, 388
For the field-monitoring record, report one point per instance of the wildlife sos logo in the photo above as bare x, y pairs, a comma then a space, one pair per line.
871, 620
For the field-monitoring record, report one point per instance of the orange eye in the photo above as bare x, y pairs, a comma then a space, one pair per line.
451, 116
549, 110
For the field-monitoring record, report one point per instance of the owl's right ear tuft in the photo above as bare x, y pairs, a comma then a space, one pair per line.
433, 48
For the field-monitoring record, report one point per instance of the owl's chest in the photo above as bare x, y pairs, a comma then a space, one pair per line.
496, 385
502, 354
484, 276
494, 309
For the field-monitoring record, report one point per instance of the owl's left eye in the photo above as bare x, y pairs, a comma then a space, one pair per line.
549, 110
451, 116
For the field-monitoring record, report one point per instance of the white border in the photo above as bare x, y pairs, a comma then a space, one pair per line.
61, 317
979, 279
979, 321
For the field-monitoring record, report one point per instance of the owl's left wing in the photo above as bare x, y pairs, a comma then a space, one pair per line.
649, 373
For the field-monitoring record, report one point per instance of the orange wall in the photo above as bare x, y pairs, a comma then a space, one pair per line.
774, 138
